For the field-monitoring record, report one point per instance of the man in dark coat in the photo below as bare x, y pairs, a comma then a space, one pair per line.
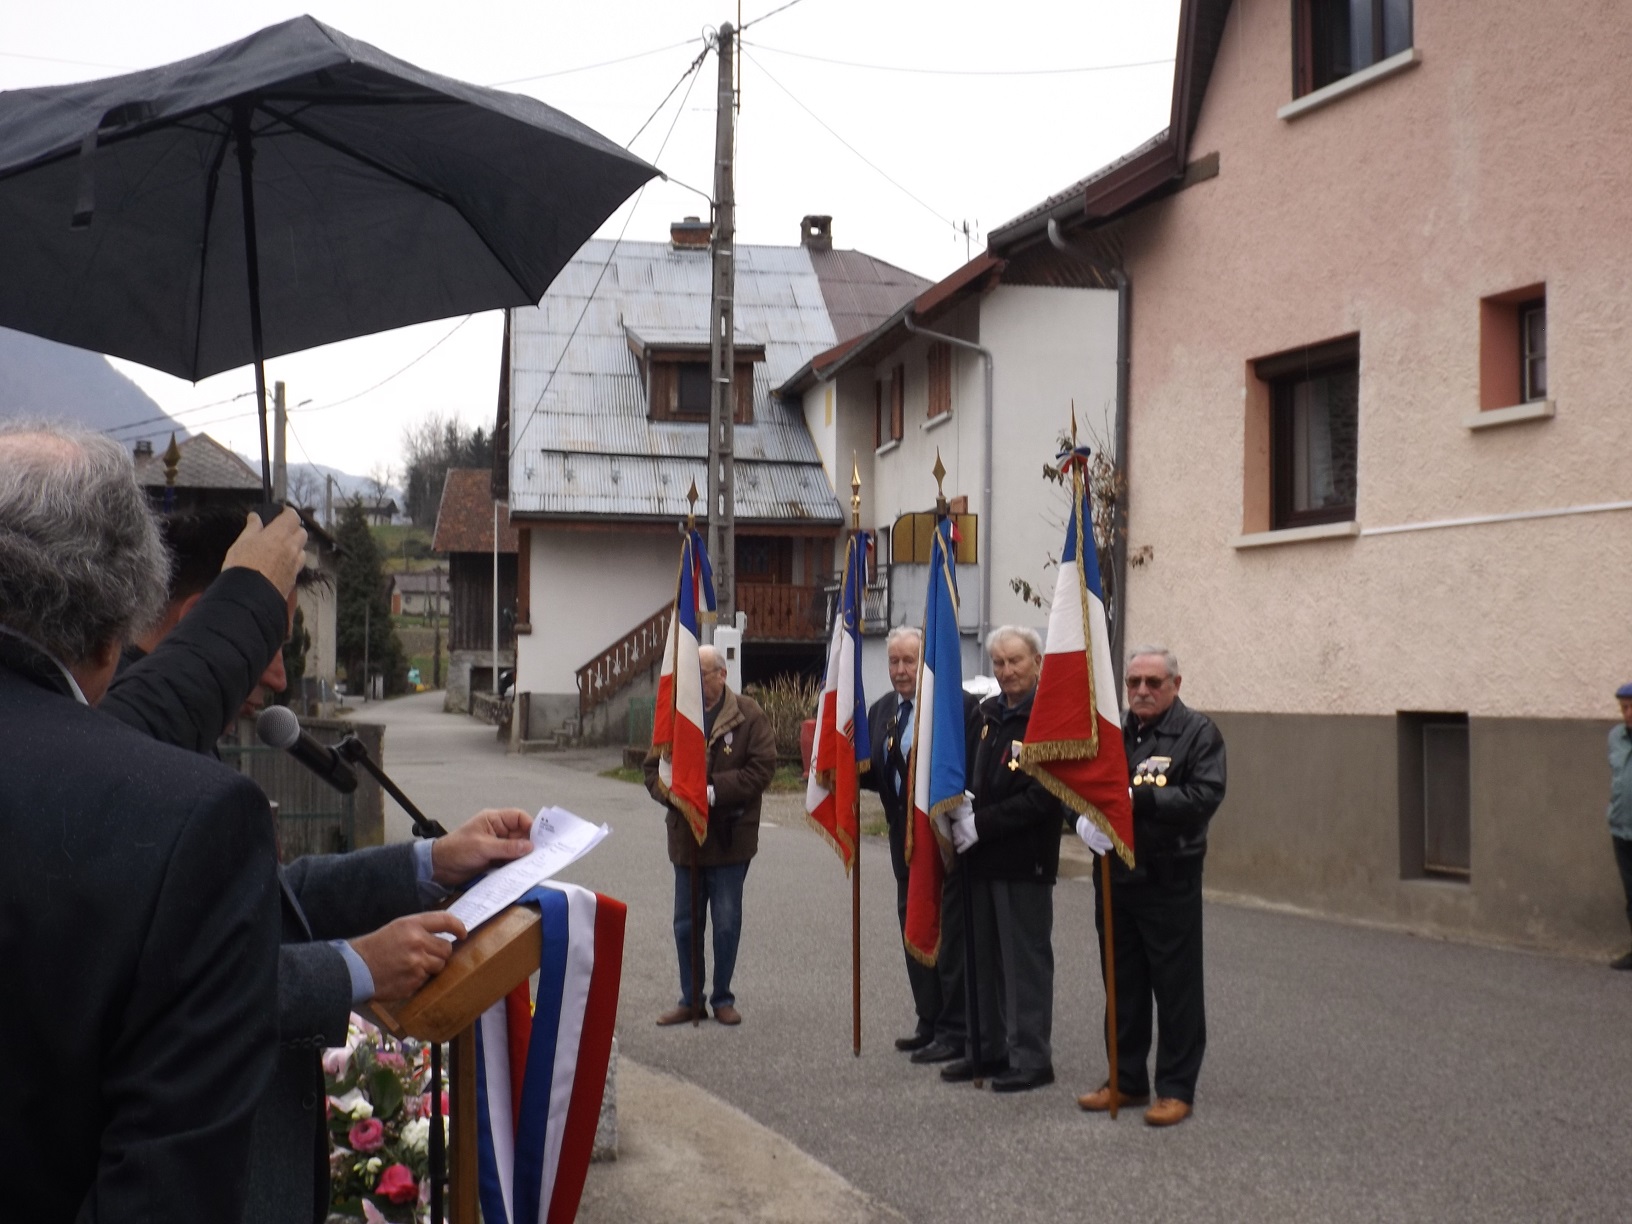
741, 763
1010, 836
351, 924
138, 895
1176, 767
937, 990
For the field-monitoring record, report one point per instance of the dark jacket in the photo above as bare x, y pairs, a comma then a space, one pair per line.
882, 775
185, 693
138, 925
1017, 820
1170, 821
741, 763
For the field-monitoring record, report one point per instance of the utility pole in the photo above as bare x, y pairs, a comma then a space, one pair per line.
722, 356
280, 455
328, 501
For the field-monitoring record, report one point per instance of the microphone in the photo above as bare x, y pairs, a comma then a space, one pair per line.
277, 727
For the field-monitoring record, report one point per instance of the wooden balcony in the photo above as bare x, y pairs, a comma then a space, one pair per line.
782, 612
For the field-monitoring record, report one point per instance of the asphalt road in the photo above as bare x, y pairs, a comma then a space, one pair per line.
1352, 1073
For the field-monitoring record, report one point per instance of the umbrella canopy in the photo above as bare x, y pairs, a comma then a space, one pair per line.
379, 194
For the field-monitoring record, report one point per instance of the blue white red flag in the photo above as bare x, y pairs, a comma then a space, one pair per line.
1074, 737
842, 751
540, 1078
677, 721
936, 766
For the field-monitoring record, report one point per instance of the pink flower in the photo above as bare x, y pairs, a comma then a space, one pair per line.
425, 1104
398, 1184
367, 1135
390, 1058
335, 1060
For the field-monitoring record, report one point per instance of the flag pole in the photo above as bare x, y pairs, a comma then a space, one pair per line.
1108, 946
855, 867
698, 1008
971, 992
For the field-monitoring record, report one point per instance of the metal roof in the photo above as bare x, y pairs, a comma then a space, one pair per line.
577, 394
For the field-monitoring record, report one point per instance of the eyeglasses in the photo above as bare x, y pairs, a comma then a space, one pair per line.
1151, 682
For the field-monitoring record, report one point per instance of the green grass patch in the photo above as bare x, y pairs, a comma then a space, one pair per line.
786, 780
625, 773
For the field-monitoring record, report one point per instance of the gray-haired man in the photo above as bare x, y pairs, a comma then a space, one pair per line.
138, 887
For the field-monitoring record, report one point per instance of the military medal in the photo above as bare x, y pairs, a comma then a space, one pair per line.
985, 727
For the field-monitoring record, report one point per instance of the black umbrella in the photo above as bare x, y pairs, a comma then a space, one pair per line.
292, 189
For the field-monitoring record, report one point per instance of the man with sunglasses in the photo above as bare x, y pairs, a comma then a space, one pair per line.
1176, 774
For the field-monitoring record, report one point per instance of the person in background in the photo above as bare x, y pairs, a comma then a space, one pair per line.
1620, 804
741, 763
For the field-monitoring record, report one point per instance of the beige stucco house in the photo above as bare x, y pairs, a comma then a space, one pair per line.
1378, 443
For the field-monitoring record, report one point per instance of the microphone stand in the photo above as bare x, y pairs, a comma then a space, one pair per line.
352, 750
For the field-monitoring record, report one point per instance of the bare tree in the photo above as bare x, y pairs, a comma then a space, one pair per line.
379, 480
304, 485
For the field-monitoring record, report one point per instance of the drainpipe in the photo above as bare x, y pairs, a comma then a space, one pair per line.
986, 492
1119, 509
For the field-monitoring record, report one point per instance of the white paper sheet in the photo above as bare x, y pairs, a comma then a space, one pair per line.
559, 839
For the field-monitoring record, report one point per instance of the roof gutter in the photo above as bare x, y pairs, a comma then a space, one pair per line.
986, 476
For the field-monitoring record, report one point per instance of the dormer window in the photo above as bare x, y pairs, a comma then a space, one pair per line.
674, 369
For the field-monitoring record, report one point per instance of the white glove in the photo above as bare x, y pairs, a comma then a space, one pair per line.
710, 794
1093, 837
943, 826
963, 825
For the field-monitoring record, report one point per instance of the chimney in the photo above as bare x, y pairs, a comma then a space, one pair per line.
816, 233
144, 449
690, 234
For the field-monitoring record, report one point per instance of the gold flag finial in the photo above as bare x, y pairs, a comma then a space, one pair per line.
855, 493
172, 460
942, 507
691, 505
1073, 424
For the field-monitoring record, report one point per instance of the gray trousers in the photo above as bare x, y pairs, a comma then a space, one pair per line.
1014, 968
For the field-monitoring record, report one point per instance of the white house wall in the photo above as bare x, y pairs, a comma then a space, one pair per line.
587, 589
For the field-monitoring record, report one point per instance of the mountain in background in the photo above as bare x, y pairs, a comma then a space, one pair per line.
41, 378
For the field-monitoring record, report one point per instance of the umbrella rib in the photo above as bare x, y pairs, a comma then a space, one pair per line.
434, 192
213, 181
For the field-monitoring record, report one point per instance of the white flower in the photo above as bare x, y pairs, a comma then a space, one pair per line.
375, 1164
353, 1104
416, 1135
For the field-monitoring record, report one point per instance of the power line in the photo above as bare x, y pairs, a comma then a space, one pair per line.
695, 64
173, 417
874, 165
515, 432
539, 76
399, 373
52, 59
779, 9
966, 72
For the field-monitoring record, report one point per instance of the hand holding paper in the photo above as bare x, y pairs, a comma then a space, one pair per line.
558, 838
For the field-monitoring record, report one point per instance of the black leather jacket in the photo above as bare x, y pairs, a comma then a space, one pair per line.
1170, 821
1017, 818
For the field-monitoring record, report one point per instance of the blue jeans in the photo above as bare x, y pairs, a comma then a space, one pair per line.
719, 891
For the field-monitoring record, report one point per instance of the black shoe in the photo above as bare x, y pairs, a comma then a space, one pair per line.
916, 1042
1624, 962
962, 1071
935, 1052
1023, 1081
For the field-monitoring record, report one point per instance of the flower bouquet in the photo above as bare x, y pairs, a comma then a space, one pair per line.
379, 1115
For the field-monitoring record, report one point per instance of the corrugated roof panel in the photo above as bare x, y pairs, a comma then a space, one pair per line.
642, 487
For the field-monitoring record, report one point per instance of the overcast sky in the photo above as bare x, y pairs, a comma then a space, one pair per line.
959, 102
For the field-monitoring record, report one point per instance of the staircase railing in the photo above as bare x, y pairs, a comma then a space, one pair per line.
621, 663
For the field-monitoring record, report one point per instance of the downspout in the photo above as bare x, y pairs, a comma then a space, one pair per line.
1119, 508
987, 560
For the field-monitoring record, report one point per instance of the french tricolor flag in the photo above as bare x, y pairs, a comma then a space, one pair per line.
1074, 737
677, 722
936, 765
841, 749
540, 1078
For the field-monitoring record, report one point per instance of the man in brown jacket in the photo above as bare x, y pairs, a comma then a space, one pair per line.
741, 761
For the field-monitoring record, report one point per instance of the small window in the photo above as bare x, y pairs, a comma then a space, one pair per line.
1533, 350
878, 415
898, 402
694, 390
1337, 38
1314, 433
940, 378
1435, 796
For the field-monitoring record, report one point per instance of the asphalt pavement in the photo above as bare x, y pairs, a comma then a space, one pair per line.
1352, 1073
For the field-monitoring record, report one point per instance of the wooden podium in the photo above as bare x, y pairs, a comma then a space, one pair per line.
502, 952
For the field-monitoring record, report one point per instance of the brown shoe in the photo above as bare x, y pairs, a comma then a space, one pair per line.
682, 1015
727, 1014
1168, 1111
1099, 1100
